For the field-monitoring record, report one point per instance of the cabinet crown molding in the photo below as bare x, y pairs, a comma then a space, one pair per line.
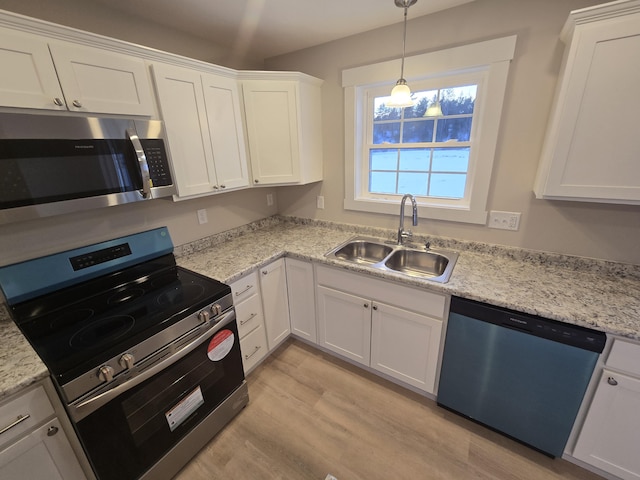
596, 13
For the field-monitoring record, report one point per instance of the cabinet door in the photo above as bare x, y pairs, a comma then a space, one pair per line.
181, 102
344, 324
95, 80
592, 147
273, 286
226, 131
28, 77
302, 302
272, 129
405, 345
610, 436
43, 454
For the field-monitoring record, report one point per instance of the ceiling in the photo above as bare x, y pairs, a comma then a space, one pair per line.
267, 28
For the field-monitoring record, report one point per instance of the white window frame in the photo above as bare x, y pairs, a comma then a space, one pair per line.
485, 64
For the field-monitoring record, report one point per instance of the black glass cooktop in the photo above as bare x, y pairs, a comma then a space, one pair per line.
83, 324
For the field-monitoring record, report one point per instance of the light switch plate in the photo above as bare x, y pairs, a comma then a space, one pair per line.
202, 216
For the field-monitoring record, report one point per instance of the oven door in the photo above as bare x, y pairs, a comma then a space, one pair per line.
126, 436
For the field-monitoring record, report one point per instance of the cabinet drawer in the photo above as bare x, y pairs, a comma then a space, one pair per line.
249, 315
35, 404
254, 348
625, 356
409, 298
245, 287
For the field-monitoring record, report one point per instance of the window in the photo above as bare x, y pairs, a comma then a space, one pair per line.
430, 154
443, 158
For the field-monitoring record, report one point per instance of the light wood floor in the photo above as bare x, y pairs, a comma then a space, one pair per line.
310, 414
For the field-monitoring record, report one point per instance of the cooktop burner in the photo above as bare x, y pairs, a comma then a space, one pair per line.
83, 324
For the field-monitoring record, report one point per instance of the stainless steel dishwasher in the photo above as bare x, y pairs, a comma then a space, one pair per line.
519, 374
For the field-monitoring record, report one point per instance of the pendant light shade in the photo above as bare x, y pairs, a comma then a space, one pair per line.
401, 93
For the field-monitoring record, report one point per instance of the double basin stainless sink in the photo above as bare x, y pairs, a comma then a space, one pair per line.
410, 260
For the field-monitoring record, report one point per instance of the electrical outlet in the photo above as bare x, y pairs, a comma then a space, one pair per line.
320, 202
202, 216
504, 220
269, 199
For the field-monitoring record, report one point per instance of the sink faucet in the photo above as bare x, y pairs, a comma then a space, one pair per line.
402, 233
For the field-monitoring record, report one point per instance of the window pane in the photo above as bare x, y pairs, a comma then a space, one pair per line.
383, 159
382, 112
458, 100
454, 129
386, 133
418, 131
449, 185
415, 159
382, 182
450, 160
414, 183
423, 99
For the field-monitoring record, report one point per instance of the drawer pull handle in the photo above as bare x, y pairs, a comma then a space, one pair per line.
247, 357
242, 322
612, 381
249, 287
20, 419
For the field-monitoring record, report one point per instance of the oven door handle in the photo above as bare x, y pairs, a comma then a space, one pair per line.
85, 406
132, 135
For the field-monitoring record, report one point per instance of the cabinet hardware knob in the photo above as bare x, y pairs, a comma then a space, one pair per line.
264, 272
58, 101
256, 181
223, 186
612, 381
77, 104
375, 307
366, 305
52, 430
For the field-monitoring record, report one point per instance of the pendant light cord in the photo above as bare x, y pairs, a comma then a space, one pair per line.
404, 43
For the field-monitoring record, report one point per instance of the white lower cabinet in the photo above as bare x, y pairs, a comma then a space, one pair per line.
405, 345
275, 302
33, 443
344, 324
302, 303
391, 328
250, 320
610, 435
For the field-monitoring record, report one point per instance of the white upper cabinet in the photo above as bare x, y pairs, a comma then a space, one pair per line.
284, 130
28, 77
592, 147
96, 80
52, 75
203, 124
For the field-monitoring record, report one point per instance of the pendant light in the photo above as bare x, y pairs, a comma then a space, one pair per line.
401, 94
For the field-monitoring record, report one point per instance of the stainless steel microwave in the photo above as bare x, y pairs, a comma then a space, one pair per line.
50, 165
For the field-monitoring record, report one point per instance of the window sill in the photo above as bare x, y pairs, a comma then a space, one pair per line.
434, 212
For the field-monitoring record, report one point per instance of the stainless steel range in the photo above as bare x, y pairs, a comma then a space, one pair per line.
145, 354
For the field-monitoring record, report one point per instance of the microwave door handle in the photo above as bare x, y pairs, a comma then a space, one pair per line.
142, 163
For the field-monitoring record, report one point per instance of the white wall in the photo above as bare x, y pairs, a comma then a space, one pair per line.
590, 230
24, 240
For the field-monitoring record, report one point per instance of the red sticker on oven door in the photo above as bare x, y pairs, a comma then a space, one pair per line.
220, 345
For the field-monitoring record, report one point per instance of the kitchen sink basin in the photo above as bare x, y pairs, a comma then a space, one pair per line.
409, 260
363, 251
417, 263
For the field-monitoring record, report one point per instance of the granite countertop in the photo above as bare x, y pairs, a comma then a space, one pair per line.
591, 293
20, 366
